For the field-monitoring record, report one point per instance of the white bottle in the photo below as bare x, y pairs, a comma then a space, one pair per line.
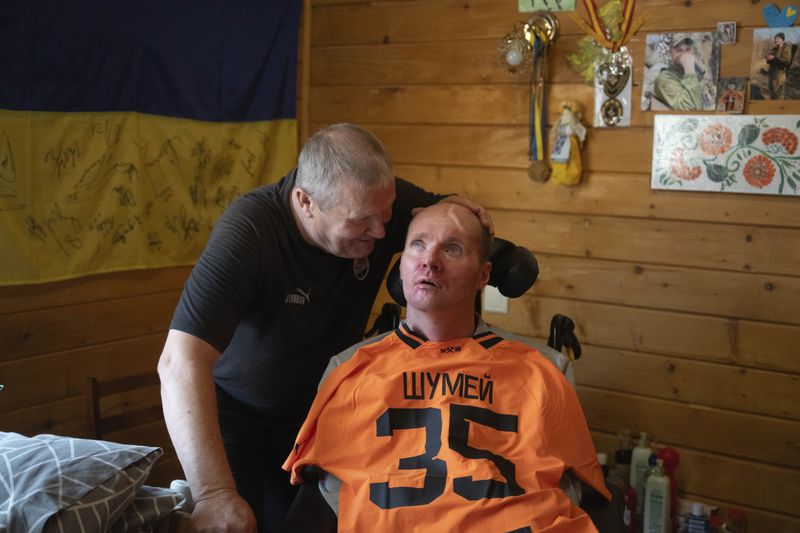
639, 457
656, 501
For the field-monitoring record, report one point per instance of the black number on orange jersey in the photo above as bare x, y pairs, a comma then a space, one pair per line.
460, 417
430, 418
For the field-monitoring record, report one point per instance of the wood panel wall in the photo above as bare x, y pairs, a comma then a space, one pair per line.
687, 303
55, 335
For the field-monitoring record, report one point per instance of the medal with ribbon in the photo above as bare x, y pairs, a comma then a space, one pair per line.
612, 74
538, 169
527, 45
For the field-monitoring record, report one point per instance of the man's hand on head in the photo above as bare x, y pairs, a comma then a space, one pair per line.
482, 214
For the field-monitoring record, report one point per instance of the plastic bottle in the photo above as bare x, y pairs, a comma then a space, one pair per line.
602, 458
737, 519
622, 460
695, 521
629, 522
624, 440
671, 458
656, 504
651, 466
620, 476
639, 456
716, 524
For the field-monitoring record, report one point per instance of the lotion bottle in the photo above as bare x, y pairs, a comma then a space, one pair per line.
656, 504
695, 521
639, 467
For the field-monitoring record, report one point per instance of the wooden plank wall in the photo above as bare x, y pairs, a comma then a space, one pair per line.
55, 335
688, 304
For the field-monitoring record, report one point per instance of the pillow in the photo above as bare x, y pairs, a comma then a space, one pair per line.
150, 505
77, 480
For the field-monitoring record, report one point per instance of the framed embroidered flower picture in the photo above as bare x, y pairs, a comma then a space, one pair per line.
743, 154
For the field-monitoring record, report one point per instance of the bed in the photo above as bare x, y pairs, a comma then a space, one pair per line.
51, 483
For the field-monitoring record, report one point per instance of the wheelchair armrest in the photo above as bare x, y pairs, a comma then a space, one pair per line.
606, 515
309, 510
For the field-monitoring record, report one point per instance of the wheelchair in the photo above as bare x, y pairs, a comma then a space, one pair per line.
514, 271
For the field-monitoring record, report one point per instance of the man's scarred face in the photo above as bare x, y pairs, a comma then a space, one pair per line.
441, 266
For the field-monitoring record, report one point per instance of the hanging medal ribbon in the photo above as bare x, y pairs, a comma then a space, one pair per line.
602, 35
527, 45
613, 81
543, 31
538, 170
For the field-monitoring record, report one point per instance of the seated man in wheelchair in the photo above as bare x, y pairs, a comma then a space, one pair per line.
442, 424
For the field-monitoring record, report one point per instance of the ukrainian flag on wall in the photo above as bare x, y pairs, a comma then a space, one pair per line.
127, 127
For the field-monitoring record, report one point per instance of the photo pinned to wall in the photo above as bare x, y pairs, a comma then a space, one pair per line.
727, 153
681, 72
774, 69
726, 32
731, 95
528, 6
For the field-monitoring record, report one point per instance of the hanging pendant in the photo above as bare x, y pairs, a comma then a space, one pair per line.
612, 89
361, 268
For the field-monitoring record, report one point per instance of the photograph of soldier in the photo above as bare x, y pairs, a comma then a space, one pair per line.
773, 72
726, 32
730, 95
681, 71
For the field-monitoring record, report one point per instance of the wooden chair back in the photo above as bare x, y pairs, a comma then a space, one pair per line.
102, 422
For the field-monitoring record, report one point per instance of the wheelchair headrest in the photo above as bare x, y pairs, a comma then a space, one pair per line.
514, 271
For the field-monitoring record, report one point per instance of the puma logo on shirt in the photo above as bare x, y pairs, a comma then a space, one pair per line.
302, 298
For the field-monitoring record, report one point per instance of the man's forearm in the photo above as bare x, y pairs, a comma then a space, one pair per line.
190, 410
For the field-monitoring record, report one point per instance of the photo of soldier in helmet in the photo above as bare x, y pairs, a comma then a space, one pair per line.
680, 72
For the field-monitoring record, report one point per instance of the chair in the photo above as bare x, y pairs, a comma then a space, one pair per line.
514, 271
101, 424
128, 409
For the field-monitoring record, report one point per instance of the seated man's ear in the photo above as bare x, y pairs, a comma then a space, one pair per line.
486, 271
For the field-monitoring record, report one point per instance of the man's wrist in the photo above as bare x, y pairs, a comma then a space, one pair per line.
214, 493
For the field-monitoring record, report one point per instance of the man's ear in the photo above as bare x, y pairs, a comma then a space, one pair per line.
303, 201
486, 270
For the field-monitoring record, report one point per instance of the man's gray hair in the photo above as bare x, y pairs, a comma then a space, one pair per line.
341, 152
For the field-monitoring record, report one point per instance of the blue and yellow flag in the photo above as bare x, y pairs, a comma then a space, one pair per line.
126, 128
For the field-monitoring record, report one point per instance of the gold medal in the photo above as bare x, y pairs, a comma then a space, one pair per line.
539, 170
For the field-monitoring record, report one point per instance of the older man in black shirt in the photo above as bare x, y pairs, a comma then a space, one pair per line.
287, 279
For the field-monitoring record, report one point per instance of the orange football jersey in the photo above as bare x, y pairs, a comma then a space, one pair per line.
469, 434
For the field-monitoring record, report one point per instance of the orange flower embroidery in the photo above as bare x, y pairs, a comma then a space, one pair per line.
716, 139
759, 171
679, 168
781, 136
